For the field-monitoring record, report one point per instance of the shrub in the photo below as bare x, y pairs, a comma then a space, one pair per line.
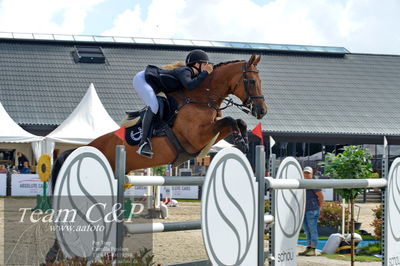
266, 206
371, 249
377, 222
331, 214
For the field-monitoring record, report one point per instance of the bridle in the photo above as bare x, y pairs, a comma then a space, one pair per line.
246, 106
247, 83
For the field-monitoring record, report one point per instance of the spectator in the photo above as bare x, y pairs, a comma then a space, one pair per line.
21, 159
314, 201
3, 169
25, 168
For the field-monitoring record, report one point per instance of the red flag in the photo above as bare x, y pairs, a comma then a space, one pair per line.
258, 132
120, 133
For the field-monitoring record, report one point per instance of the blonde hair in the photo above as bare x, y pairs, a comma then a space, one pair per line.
174, 65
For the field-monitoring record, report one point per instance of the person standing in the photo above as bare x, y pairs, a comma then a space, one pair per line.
21, 160
314, 201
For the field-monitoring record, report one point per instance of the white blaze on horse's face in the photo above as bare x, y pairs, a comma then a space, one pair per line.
252, 86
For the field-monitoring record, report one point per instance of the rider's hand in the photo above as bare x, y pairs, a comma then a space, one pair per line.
208, 67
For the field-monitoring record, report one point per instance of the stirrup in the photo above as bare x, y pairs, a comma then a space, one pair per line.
147, 154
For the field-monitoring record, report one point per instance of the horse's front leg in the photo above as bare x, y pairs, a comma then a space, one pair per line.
229, 125
243, 131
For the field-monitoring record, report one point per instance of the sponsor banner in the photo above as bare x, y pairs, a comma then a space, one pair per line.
178, 192
26, 185
328, 194
3, 184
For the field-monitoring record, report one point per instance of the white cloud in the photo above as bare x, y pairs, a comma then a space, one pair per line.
359, 25
38, 16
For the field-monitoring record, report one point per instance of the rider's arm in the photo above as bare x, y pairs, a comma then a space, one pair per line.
185, 77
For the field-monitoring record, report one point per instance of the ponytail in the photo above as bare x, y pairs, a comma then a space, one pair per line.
177, 64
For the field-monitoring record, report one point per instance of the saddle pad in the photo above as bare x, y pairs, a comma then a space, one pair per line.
133, 134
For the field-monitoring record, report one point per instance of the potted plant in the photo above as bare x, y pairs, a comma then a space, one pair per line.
330, 218
353, 163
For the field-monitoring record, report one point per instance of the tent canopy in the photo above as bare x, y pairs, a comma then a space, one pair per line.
88, 121
12, 132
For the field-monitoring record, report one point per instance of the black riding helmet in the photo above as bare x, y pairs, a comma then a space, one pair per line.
196, 56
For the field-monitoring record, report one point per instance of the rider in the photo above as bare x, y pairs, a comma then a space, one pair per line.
154, 80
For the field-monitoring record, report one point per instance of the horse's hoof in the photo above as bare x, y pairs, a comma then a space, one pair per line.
242, 146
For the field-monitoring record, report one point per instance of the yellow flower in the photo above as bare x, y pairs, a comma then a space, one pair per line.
127, 186
44, 167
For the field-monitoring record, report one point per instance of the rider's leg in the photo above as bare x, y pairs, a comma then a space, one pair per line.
147, 94
145, 148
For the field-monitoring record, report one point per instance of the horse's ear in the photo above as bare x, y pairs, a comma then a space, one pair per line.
257, 60
251, 60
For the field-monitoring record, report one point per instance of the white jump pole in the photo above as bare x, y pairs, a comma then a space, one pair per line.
324, 183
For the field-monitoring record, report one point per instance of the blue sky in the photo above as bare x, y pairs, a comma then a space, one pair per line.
362, 26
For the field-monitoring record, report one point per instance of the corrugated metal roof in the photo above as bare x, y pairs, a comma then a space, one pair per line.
40, 84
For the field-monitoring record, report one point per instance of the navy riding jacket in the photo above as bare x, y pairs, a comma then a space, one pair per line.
163, 80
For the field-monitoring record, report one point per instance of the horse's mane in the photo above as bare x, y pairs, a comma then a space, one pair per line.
226, 63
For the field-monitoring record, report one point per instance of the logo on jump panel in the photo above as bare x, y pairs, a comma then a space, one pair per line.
290, 201
230, 201
85, 203
394, 199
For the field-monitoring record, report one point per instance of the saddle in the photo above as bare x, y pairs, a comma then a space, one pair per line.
162, 126
165, 118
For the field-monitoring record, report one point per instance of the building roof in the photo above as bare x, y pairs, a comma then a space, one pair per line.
309, 93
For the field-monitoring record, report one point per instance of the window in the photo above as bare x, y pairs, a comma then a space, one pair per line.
89, 54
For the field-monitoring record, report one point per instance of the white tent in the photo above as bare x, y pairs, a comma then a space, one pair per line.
88, 121
11, 132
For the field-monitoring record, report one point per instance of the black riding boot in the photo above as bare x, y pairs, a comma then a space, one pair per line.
145, 145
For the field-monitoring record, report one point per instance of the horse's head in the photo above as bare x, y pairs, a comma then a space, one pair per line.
248, 88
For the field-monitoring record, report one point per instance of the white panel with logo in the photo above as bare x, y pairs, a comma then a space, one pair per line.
234, 240
392, 216
289, 216
85, 198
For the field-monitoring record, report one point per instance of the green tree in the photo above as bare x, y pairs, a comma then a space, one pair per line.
160, 170
353, 163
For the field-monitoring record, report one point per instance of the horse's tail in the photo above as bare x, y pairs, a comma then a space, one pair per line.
57, 166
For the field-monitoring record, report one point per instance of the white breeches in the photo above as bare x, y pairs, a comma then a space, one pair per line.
145, 91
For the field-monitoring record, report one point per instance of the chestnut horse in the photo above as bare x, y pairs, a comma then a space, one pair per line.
197, 121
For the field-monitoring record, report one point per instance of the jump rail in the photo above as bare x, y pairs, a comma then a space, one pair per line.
165, 180
162, 227
324, 183
232, 206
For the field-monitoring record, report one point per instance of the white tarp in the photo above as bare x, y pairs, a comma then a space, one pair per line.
11, 132
220, 145
88, 121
